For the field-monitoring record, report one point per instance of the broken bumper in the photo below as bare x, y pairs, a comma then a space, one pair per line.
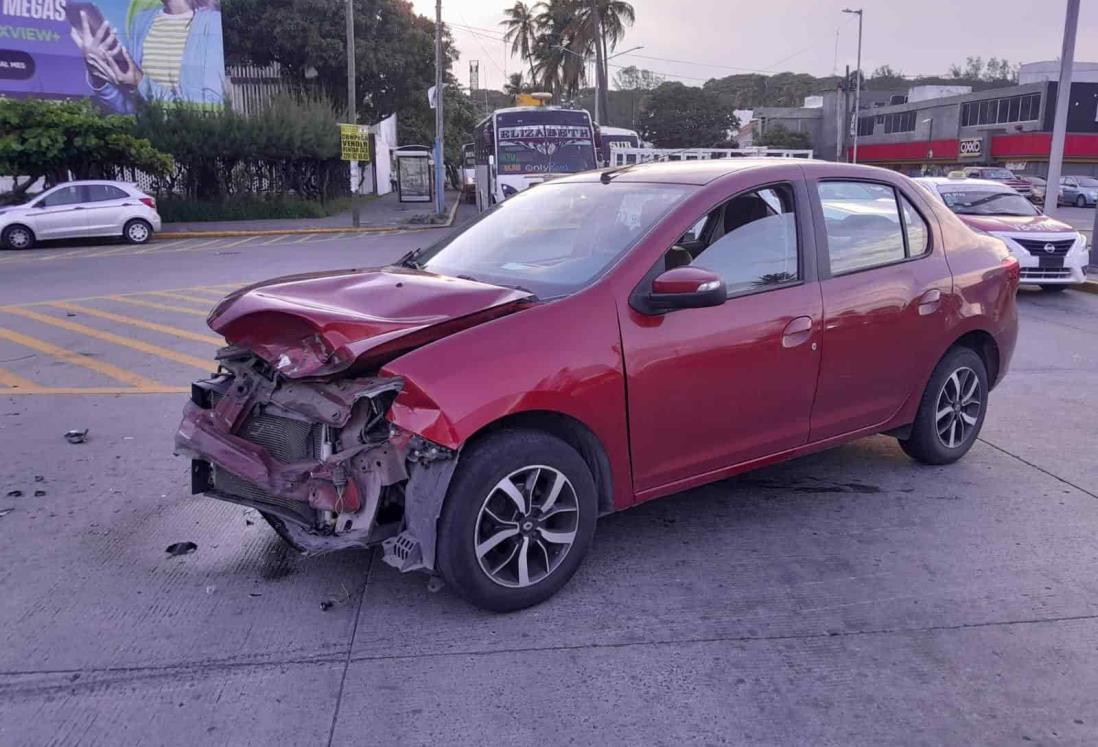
317, 456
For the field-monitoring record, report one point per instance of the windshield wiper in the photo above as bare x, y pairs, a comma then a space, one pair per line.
409, 259
534, 296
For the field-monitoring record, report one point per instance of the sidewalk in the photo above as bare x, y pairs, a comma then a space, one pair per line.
377, 214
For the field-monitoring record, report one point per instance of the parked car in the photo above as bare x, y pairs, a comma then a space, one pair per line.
1080, 191
999, 174
81, 210
1038, 187
1050, 253
600, 341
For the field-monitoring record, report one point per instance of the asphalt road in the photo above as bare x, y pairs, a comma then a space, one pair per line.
851, 597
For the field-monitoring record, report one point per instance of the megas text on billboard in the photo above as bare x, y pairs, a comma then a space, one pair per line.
115, 52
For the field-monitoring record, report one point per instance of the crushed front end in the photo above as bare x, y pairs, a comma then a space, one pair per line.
317, 458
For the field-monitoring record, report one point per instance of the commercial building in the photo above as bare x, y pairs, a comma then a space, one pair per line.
934, 129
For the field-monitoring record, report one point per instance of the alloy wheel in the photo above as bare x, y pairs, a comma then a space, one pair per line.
526, 526
958, 410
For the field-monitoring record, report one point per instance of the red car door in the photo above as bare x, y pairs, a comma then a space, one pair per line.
886, 288
712, 387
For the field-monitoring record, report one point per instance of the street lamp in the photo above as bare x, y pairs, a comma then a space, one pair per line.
858, 88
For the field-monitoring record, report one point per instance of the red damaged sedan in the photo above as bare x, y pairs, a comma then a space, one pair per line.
596, 342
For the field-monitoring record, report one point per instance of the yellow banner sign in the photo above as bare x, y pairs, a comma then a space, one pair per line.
355, 141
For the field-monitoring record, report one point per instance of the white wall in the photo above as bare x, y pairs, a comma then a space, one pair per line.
385, 140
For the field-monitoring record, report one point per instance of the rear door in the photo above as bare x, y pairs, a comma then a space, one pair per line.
886, 292
713, 387
107, 207
60, 214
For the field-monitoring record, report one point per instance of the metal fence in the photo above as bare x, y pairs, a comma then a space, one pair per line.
629, 156
251, 87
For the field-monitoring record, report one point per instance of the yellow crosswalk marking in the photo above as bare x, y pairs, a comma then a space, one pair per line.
126, 342
238, 242
121, 319
107, 369
41, 390
152, 305
9, 379
217, 294
180, 296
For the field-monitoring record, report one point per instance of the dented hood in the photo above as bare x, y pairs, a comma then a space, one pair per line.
324, 323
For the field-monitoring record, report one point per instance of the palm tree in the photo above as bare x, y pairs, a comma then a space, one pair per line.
606, 31
560, 60
515, 84
522, 30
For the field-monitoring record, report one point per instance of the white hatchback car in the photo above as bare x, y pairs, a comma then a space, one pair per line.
81, 210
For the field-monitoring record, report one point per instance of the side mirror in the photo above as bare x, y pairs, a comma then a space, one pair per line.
686, 288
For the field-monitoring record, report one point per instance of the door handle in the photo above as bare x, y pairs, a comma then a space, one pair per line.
929, 302
797, 332
79, 208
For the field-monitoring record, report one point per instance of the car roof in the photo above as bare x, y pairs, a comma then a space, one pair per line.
985, 185
688, 172
87, 182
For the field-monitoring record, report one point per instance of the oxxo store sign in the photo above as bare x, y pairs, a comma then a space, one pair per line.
971, 148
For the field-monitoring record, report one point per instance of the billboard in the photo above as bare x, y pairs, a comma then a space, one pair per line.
116, 52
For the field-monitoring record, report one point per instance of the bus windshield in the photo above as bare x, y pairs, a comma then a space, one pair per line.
547, 141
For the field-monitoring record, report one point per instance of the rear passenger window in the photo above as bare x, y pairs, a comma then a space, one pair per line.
103, 193
864, 227
918, 235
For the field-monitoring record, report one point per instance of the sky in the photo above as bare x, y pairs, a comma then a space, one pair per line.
700, 39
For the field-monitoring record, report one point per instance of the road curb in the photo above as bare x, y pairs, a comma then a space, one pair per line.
1090, 286
408, 227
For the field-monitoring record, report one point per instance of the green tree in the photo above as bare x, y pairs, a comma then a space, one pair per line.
51, 139
291, 145
778, 136
516, 84
394, 47
417, 125
521, 22
680, 116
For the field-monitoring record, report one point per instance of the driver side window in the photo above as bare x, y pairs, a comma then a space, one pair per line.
750, 241
63, 196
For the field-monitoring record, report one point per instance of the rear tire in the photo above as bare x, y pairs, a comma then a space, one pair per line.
137, 231
1080, 201
519, 517
951, 412
1058, 288
17, 237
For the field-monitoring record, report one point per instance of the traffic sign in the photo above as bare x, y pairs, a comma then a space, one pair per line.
355, 142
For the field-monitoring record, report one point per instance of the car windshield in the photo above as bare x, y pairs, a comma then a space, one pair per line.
998, 174
553, 239
984, 202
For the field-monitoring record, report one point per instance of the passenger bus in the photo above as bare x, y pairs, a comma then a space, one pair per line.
615, 137
519, 147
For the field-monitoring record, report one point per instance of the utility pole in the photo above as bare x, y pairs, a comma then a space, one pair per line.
858, 83
352, 113
1063, 98
440, 168
600, 114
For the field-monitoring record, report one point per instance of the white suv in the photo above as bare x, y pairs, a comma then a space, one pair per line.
81, 210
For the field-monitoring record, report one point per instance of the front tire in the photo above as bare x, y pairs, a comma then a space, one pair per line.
1080, 201
17, 237
137, 231
951, 412
518, 519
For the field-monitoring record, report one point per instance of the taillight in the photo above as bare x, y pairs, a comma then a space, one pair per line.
148, 202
